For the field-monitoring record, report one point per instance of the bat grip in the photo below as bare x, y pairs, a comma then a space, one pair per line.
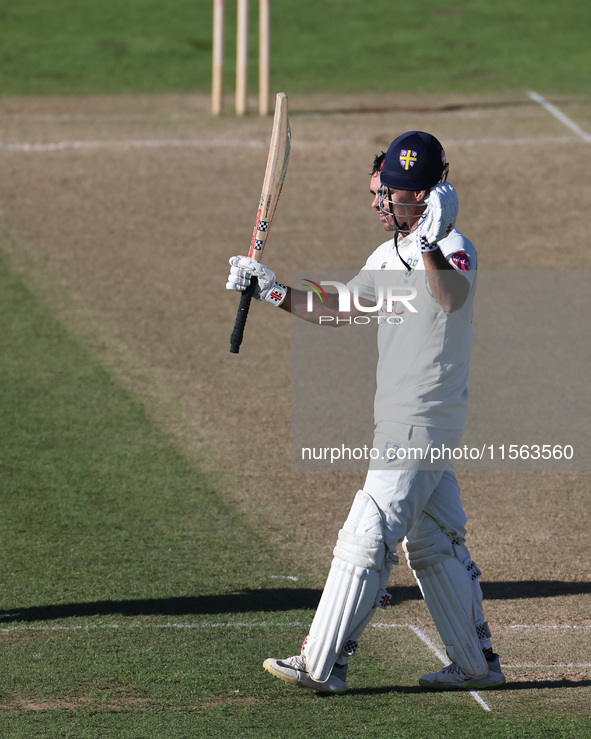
241, 316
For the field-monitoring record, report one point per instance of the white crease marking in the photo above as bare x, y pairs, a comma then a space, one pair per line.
557, 113
443, 658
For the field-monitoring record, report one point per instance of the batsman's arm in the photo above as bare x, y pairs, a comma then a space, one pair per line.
448, 286
292, 300
296, 303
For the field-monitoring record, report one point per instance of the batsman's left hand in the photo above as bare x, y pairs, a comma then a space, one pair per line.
440, 215
243, 269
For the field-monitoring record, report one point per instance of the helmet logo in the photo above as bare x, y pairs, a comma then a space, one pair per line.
407, 158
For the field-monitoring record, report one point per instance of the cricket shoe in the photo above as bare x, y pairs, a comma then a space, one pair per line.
294, 671
453, 677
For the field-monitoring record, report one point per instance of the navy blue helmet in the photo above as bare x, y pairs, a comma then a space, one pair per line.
414, 161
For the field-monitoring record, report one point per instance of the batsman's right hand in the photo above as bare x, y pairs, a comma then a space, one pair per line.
243, 269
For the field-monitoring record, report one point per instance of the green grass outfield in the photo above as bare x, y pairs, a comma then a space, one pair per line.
127, 608
135, 603
85, 47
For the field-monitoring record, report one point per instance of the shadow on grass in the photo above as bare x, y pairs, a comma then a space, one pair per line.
242, 601
533, 589
546, 684
271, 600
522, 685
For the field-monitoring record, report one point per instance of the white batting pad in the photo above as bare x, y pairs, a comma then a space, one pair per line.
448, 591
358, 575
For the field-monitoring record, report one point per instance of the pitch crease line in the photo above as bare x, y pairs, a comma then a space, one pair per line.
557, 113
549, 626
171, 625
205, 625
56, 146
97, 117
571, 666
129, 144
268, 624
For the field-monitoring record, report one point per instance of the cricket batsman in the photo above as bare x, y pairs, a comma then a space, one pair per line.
421, 404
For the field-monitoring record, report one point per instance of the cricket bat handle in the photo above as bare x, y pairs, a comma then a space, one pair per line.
241, 316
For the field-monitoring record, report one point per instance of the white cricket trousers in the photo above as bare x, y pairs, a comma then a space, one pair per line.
405, 482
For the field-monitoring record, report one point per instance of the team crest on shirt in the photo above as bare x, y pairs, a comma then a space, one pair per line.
461, 260
410, 267
407, 158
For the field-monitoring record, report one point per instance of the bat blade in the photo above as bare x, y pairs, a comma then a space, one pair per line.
279, 151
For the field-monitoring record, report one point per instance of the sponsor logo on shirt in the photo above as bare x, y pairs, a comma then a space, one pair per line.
461, 260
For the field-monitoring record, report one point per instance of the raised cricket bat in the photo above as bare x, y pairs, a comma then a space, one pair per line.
279, 149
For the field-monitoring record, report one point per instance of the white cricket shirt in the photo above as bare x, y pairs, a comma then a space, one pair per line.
424, 356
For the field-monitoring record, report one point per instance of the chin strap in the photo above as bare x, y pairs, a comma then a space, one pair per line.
396, 235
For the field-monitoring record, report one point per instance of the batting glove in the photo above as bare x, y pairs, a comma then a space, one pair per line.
243, 269
440, 216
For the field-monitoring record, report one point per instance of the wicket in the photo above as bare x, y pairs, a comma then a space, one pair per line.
217, 80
